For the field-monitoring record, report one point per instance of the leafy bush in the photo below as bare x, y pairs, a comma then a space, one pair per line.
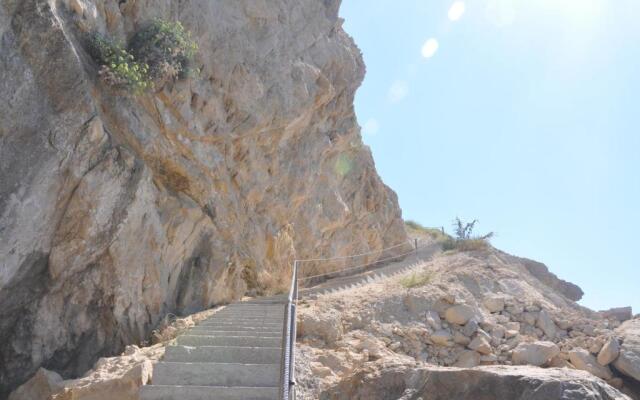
167, 48
161, 52
118, 67
416, 279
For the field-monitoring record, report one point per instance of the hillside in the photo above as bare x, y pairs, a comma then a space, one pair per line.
505, 329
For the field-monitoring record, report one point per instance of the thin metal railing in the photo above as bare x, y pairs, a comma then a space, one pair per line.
288, 384
288, 380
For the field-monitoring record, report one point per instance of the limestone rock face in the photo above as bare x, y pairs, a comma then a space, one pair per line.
628, 362
382, 382
117, 209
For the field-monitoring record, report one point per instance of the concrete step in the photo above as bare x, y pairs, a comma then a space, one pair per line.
216, 374
273, 300
236, 327
264, 318
241, 341
241, 323
223, 354
231, 327
203, 330
244, 310
248, 314
254, 306
161, 392
243, 326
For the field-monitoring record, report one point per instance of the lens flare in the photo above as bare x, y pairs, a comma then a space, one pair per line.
456, 10
429, 48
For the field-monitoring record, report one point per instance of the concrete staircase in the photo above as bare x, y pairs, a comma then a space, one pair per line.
234, 355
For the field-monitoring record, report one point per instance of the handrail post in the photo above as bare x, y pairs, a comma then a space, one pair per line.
415, 243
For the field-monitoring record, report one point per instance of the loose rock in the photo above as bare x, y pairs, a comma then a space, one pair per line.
537, 353
459, 314
609, 352
583, 360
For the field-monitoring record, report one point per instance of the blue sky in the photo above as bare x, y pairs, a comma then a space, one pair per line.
522, 114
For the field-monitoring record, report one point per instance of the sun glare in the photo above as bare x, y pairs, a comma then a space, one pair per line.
429, 48
456, 10
398, 91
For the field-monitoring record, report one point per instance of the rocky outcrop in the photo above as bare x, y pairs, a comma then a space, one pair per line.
404, 381
477, 309
111, 378
115, 210
620, 313
541, 271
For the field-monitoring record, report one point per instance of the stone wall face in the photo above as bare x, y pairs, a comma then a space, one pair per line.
115, 210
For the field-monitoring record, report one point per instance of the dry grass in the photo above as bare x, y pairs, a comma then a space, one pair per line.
435, 233
416, 279
465, 244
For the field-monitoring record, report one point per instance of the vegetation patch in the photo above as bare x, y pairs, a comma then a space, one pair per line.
167, 48
118, 67
464, 239
416, 279
161, 52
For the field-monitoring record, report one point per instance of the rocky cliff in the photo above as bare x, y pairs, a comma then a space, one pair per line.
117, 209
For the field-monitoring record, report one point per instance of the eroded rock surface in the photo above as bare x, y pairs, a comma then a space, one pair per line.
401, 381
116, 210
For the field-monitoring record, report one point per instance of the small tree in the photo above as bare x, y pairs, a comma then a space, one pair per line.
464, 230
464, 237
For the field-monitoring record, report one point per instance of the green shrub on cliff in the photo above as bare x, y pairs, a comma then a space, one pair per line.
167, 48
162, 51
118, 68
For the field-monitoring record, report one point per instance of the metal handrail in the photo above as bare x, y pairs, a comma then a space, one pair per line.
288, 379
355, 255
